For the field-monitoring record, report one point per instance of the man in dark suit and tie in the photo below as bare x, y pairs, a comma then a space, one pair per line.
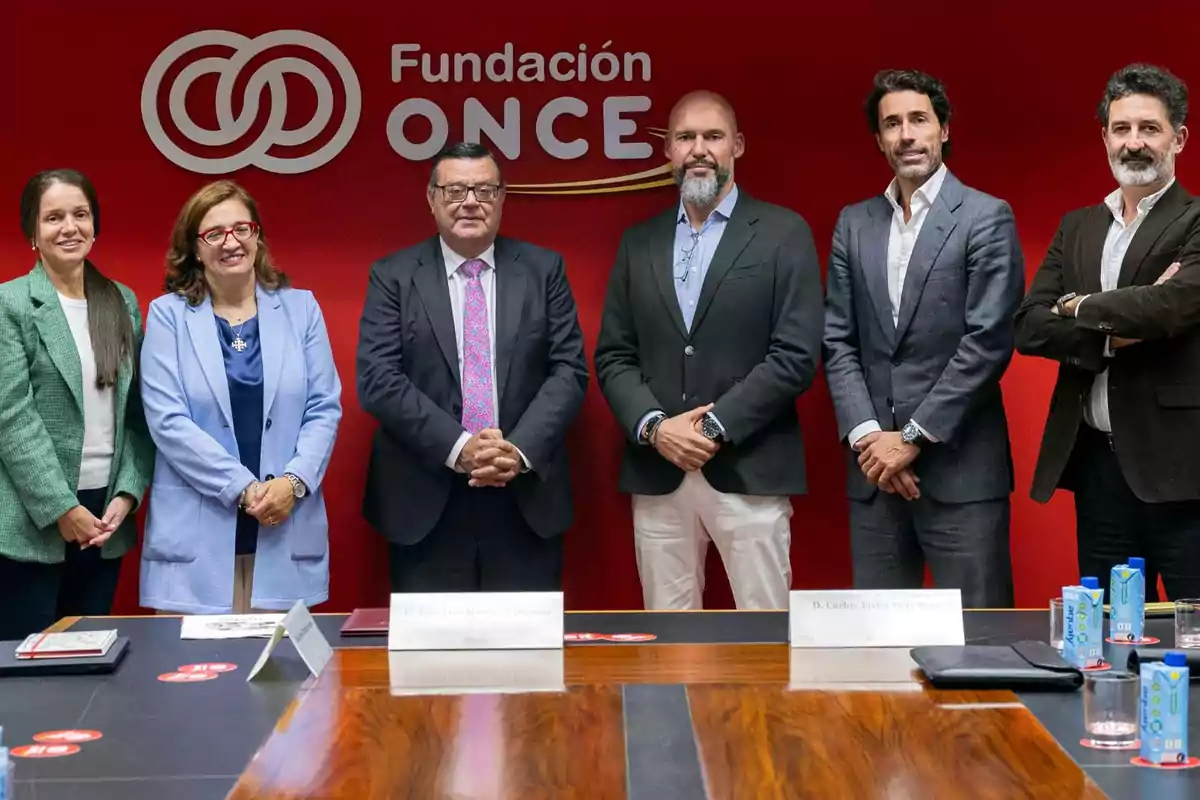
711, 330
471, 358
1116, 303
923, 282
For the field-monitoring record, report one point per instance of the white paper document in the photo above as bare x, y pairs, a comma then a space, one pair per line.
228, 626
299, 626
476, 621
875, 618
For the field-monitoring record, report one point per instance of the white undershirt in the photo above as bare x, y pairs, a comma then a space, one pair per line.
99, 416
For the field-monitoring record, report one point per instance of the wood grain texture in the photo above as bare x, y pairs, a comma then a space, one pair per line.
364, 744
761, 743
347, 736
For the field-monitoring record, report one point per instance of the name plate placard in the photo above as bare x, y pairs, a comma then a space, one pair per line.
875, 618
476, 621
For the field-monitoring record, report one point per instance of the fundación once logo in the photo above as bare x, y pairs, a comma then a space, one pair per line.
617, 132
268, 75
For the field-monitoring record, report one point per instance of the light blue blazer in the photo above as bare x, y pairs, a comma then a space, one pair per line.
188, 552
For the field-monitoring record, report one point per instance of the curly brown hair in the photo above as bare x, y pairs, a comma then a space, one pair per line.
185, 272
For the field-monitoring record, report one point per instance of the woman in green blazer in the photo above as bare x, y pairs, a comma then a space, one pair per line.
75, 456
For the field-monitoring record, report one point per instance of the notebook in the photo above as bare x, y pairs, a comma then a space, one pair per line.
68, 644
367, 622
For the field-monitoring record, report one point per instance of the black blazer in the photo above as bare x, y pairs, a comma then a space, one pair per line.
408, 379
1154, 386
753, 348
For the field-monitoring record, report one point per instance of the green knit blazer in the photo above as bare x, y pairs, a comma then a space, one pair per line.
41, 423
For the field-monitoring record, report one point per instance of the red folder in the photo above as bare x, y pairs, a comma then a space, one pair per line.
367, 622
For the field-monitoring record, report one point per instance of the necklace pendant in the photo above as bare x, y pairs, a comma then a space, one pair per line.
239, 344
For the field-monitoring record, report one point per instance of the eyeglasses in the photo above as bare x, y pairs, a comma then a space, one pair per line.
457, 192
243, 232
683, 267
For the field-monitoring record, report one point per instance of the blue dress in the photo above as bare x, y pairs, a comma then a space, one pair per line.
244, 370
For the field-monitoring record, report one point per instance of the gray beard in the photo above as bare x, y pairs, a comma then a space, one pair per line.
1126, 175
702, 191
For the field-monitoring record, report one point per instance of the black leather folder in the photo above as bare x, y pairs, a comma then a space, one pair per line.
1144, 655
1024, 666
12, 666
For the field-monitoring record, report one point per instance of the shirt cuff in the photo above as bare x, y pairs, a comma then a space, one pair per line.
526, 466
862, 429
452, 460
641, 426
924, 432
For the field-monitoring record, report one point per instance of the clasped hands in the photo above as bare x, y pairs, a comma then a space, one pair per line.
679, 440
1118, 341
886, 460
489, 459
81, 526
271, 502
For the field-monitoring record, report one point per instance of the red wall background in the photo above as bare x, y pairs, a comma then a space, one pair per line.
1024, 85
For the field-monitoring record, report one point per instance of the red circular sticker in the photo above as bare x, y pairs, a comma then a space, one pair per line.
187, 677
1143, 640
44, 750
1098, 668
67, 736
632, 637
583, 637
1191, 763
214, 667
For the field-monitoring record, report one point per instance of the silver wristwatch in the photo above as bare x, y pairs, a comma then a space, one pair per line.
911, 434
298, 487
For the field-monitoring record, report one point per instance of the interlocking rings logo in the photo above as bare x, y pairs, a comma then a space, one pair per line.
230, 128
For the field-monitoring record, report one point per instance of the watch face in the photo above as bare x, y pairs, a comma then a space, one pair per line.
710, 428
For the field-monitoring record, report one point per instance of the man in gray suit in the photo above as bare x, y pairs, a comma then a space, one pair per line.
711, 330
923, 283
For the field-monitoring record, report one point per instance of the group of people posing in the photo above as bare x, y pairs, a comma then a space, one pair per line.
223, 411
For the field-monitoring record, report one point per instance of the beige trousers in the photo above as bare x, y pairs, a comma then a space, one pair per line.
752, 533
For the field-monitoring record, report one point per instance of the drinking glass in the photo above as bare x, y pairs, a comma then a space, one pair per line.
1110, 709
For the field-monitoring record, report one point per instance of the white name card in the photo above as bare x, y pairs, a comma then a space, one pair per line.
299, 626
875, 618
476, 621
475, 672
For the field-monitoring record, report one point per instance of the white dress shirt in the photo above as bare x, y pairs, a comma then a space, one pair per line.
458, 287
1116, 245
99, 415
902, 238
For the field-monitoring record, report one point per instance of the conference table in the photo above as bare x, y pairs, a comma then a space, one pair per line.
715, 705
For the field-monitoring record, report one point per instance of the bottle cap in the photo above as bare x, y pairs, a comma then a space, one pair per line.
1137, 563
1175, 659
1089, 583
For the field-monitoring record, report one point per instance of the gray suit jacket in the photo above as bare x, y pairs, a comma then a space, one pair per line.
942, 362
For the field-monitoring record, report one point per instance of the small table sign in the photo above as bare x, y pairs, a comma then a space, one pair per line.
875, 618
299, 626
476, 621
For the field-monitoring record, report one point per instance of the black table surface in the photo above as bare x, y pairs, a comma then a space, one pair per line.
192, 741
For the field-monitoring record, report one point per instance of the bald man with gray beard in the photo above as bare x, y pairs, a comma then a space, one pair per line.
711, 330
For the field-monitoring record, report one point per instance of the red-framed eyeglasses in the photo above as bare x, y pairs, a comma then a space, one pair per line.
242, 231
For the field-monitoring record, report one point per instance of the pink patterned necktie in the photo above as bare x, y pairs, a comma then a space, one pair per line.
477, 353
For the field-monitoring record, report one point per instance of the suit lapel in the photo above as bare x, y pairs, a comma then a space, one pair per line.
1091, 261
430, 280
55, 333
1168, 209
202, 329
510, 300
873, 247
934, 232
663, 266
272, 330
739, 230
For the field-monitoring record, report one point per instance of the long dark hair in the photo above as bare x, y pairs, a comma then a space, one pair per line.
109, 325
185, 273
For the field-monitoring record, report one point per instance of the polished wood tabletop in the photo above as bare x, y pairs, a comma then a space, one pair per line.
367, 729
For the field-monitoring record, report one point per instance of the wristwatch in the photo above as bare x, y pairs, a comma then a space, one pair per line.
298, 487
710, 427
1061, 305
911, 434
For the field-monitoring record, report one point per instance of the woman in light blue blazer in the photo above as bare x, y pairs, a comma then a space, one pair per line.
243, 401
